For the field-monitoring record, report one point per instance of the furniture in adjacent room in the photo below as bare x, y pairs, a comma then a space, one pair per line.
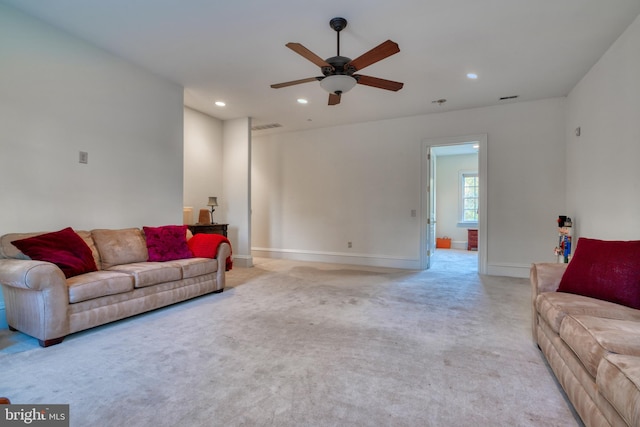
209, 229
472, 239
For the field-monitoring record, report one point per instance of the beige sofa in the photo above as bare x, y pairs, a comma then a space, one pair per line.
592, 346
42, 303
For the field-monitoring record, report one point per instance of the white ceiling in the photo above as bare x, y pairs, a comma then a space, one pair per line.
233, 50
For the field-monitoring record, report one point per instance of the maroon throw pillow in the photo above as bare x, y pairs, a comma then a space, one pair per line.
167, 243
64, 248
605, 269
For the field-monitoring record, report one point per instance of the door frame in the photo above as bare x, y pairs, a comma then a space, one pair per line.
482, 201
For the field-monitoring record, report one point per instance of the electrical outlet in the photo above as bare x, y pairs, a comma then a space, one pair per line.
83, 157
349, 245
413, 213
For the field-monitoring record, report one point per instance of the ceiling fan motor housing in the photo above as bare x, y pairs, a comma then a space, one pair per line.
338, 66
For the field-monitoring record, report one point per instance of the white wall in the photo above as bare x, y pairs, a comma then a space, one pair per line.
236, 201
316, 190
202, 162
59, 96
448, 169
602, 163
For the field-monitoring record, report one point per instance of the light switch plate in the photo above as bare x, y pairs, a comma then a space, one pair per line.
84, 157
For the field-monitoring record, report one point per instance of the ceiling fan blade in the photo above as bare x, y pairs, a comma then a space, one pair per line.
303, 51
379, 83
378, 53
334, 99
294, 82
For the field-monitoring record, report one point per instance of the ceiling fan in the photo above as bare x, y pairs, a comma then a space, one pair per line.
338, 71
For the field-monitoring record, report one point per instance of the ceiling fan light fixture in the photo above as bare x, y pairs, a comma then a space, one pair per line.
338, 83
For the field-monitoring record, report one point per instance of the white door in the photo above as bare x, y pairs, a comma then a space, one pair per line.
431, 209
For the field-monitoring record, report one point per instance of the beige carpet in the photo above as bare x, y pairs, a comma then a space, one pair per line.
302, 344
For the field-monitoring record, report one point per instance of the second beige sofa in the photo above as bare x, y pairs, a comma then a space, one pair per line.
592, 346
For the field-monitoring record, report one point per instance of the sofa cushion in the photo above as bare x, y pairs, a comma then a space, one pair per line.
150, 273
98, 284
607, 270
64, 248
554, 306
194, 267
592, 338
618, 380
167, 243
123, 246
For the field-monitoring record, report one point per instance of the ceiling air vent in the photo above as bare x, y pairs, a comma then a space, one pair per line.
269, 126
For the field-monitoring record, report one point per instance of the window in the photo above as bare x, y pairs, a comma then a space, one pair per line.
469, 188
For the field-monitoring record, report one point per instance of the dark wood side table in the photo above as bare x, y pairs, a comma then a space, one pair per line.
472, 239
209, 229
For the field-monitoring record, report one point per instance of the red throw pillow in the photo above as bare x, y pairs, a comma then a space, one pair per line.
607, 270
206, 246
64, 248
167, 243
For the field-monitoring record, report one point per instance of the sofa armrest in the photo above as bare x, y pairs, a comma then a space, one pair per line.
27, 274
36, 298
224, 251
544, 277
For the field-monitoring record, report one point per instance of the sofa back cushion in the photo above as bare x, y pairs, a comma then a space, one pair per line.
9, 250
122, 246
606, 270
86, 236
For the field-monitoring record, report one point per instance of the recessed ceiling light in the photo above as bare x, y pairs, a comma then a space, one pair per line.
302, 101
472, 76
220, 103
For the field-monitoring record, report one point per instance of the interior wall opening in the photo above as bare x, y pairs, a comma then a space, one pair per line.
430, 186
456, 187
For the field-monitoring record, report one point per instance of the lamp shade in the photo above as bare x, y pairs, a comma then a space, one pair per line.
338, 84
213, 201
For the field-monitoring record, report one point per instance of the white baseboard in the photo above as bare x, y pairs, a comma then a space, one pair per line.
508, 269
339, 258
457, 244
495, 269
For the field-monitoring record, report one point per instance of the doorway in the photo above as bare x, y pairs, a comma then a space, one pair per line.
447, 163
